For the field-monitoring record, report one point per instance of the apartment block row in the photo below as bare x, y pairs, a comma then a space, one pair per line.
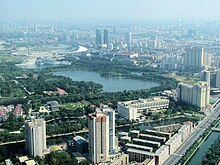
154, 147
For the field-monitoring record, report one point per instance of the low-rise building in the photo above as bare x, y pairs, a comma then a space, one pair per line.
174, 142
18, 111
119, 159
3, 114
30, 162
8, 162
53, 105
168, 128
147, 143
80, 144
132, 109
153, 138
125, 55
121, 134
162, 154
79, 157
139, 147
185, 131
158, 133
139, 156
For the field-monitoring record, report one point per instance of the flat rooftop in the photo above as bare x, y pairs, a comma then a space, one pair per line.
133, 103
131, 150
152, 136
158, 132
139, 147
146, 141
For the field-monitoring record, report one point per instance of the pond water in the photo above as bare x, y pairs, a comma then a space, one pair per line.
109, 84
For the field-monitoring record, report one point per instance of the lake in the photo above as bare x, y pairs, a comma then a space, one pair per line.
109, 84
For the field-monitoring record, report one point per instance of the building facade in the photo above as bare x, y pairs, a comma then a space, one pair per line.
98, 37
128, 38
35, 137
131, 109
98, 123
106, 37
197, 95
195, 58
211, 76
112, 142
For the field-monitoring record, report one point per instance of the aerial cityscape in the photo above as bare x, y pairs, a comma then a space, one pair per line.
110, 82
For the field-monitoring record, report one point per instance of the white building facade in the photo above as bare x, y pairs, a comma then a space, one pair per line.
35, 137
98, 123
131, 109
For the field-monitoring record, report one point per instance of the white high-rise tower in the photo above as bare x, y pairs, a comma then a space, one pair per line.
35, 137
98, 123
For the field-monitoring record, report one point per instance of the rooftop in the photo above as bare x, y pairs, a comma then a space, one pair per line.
22, 159
139, 146
133, 103
79, 139
30, 162
131, 150
146, 141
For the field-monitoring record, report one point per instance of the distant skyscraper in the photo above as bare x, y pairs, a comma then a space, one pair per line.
52, 29
106, 37
111, 113
196, 59
180, 22
35, 137
206, 76
218, 78
98, 123
115, 29
212, 76
128, 38
98, 37
36, 29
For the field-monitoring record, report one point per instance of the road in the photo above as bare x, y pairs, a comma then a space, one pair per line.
49, 136
198, 131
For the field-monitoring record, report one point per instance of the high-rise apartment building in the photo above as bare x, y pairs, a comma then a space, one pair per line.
212, 76
197, 95
35, 137
111, 113
195, 58
128, 38
218, 78
106, 37
98, 124
206, 76
98, 37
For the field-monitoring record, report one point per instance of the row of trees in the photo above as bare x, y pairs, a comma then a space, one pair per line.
66, 127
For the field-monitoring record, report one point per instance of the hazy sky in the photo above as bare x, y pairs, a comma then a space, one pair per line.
59, 10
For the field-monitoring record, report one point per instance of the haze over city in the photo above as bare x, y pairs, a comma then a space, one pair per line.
109, 10
117, 82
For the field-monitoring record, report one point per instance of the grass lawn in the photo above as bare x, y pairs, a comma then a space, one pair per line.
73, 106
190, 81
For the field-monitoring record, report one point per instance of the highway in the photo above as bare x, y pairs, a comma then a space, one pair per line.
198, 131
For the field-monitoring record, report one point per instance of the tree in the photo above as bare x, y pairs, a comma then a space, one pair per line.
60, 157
